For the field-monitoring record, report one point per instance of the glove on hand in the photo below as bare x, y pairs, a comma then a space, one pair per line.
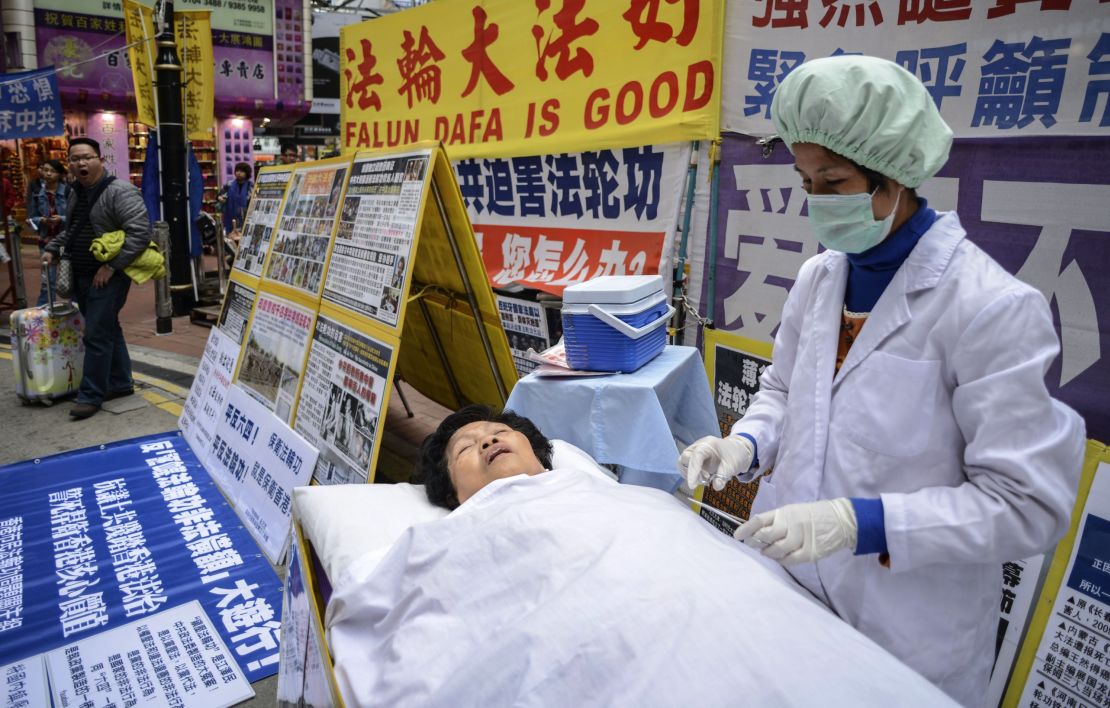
802, 533
715, 460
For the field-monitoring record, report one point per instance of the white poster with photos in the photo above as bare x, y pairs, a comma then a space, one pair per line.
273, 353
236, 310
303, 234
262, 216
374, 239
345, 382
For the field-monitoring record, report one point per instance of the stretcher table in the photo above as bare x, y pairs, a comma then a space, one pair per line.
638, 422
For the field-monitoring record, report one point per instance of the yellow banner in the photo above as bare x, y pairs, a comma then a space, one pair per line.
193, 29
139, 26
505, 77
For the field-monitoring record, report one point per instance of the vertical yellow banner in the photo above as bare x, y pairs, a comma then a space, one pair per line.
139, 25
193, 29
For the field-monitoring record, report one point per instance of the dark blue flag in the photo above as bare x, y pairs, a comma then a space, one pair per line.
29, 105
152, 191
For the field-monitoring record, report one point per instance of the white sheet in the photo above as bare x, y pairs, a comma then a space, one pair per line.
351, 526
560, 589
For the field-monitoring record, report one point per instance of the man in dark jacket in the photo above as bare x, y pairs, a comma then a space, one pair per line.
99, 204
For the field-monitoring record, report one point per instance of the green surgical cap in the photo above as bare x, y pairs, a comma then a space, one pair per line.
866, 109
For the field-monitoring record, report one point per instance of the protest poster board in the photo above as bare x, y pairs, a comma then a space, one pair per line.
301, 241
115, 533
453, 347
527, 327
208, 394
369, 268
1065, 659
305, 676
345, 392
548, 221
172, 658
734, 365
502, 77
273, 352
23, 684
403, 230
257, 461
235, 312
1020, 582
261, 220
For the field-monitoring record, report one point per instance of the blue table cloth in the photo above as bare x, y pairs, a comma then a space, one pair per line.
638, 421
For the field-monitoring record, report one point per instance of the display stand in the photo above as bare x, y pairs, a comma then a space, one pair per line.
333, 253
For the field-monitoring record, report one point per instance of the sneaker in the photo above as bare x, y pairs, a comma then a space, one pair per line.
83, 410
119, 394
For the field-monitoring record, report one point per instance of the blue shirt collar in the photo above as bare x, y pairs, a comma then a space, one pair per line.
894, 249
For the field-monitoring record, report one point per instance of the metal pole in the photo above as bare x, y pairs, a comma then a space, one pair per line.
711, 250
163, 304
679, 277
171, 148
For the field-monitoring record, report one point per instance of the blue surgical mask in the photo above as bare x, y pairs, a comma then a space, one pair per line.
846, 222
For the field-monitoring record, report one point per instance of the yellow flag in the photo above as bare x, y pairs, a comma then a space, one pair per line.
139, 24
193, 29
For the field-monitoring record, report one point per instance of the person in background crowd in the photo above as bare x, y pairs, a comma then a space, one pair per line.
289, 154
912, 441
235, 198
34, 185
46, 214
98, 204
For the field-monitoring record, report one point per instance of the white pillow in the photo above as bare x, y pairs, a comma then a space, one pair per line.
345, 523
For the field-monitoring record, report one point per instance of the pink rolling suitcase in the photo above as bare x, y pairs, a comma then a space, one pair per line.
47, 350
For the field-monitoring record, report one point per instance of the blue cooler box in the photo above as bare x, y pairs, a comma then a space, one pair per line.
615, 322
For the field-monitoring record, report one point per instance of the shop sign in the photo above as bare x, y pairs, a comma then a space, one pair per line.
241, 57
325, 60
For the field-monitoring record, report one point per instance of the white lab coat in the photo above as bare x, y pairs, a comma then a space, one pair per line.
941, 409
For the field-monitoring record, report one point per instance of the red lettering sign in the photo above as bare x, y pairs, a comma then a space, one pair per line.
367, 78
558, 46
480, 63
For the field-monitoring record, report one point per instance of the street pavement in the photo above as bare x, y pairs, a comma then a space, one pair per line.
163, 367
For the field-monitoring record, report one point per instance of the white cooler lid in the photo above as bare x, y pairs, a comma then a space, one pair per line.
613, 289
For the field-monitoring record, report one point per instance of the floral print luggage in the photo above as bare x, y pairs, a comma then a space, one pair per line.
48, 351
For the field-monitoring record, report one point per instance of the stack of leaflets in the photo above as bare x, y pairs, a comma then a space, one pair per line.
553, 362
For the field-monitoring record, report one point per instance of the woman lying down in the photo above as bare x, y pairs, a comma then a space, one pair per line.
562, 588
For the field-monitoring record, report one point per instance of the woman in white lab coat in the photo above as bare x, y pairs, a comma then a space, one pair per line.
912, 443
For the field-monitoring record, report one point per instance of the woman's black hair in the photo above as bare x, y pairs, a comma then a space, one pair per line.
243, 167
57, 166
431, 469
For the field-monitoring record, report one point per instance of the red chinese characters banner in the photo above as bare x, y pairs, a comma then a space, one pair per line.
995, 68
520, 77
550, 221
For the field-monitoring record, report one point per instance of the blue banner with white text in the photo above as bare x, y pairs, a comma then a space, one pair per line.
29, 105
96, 538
